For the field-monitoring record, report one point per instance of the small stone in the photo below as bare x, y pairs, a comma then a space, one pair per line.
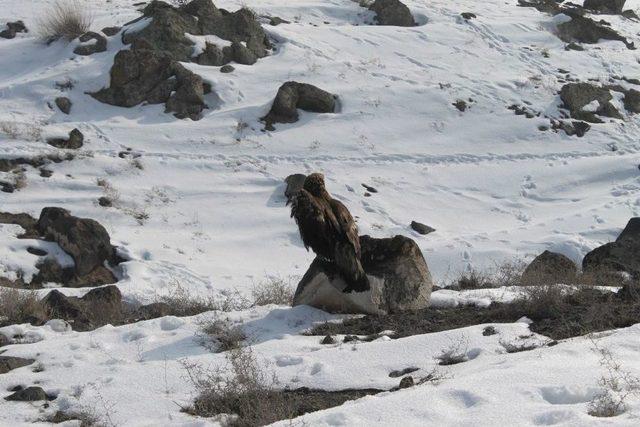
29, 394
468, 15
74, 141
488, 331
46, 173
111, 31
36, 251
406, 382
227, 69
460, 105
105, 202
370, 188
328, 340
64, 104
8, 363
421, 228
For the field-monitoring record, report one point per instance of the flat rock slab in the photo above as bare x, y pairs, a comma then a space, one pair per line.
8, 363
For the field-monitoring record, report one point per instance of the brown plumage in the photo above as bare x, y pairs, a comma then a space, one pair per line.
327, 227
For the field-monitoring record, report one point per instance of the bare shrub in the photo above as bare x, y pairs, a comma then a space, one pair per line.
220, 335
273, 291
183, 303
19, 306
544, 301
242, 388
65, 19
456, 353
616, 386
507, 273
517, 347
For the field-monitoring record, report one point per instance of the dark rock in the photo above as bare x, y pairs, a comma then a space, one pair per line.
61, 306
630, 14
166, 31
406, 382
111, 31
227, 69
105, 202
632, 101
369, 188
12, 29
488, 331
421, 228
573, 46
46, 173
612, 7
36, 251
294, 95
392, 12
64, 104
623, 255
84, 239
241, 54
399, 373
274, 21
585, 30
550, 268
328, 340
152, 311
100, 44
460, 105
397, 272
75, 141
105, 296
572, 128
294, 184
468, 15
4, 340
576, 96
8, 363
141, 75
212, 55
29, 394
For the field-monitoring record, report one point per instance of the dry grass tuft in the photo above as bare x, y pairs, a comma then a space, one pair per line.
65, 19
273, 291
17, 306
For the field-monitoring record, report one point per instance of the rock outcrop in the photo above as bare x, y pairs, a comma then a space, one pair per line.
586, 101
623, 255
392, 12
147, 76
549, 268
75, 140
12, 29
99, 44
612, 7
98, 307
8, 363
397, 272
293, 96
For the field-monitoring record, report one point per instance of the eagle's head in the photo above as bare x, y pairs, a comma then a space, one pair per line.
314, 184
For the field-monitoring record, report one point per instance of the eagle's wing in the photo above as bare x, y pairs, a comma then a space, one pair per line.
309, 215
346, 224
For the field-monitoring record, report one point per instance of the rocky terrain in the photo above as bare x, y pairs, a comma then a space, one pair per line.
150, 273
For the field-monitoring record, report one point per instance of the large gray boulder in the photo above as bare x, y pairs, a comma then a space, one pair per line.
549, 268
612, 7
84, 239
293, 96
397, 272
623, 255
586, 30
8, 363
392, 12
148, 76
577, 96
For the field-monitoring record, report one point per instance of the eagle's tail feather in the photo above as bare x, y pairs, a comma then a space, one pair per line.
350, 267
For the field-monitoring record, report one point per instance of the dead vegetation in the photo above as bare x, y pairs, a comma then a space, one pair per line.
273, 291
555, 312
18, 306
220, 335
247, 393
64, 19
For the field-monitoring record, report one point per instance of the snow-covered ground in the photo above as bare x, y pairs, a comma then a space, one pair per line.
491, 183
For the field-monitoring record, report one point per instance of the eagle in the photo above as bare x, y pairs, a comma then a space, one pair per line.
327, 227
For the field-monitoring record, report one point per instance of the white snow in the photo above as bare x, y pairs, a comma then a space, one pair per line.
491, 183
